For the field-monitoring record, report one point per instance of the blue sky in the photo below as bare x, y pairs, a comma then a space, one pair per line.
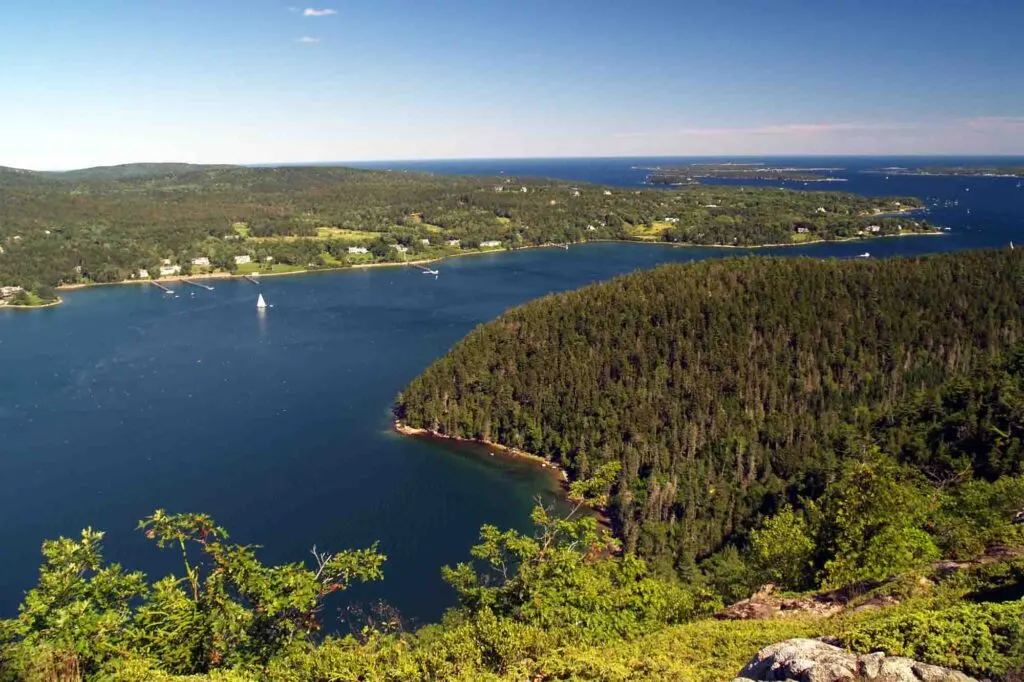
87, 82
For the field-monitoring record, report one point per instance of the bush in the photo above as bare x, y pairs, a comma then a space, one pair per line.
980, 639
872, 523
781, 550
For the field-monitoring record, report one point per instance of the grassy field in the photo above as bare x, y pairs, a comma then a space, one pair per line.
250, 268
345, 234
324, 234
652, 232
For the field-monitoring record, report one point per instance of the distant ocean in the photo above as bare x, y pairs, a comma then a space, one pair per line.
628, 171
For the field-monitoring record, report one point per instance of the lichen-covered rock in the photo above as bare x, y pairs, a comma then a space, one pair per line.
812, 660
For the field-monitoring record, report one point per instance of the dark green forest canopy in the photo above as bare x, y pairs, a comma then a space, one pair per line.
725, 387
105, 224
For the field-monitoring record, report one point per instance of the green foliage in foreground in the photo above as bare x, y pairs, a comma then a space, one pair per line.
980, 639
562, 587
555, 605
228, 611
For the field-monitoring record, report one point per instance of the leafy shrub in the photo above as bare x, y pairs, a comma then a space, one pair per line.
872, 522
981, 639
781, 550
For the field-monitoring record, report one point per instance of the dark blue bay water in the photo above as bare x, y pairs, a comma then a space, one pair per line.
124, 399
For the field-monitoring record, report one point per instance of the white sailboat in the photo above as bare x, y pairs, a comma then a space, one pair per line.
260, 303
864, 255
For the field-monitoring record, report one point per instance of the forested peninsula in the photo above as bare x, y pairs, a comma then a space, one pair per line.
789, 449
727, 390
143, 221
693, 173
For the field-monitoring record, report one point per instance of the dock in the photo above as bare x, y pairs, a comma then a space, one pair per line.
426, 270
197, 284
161, 286
253, 278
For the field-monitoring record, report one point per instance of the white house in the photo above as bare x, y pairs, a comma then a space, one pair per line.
168, 270
202, 262
425, 242
454, 242
874, 228
358, 249
671, 220
490, 243
7, 292
801, 229
820, 209
523, 190
399, 248
243, 259
143, 273
607, 192
591, 228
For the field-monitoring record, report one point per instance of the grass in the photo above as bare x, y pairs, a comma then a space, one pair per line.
325, 233
241, 229
251, 268
345, 234
703, 651
34, 301
652, 232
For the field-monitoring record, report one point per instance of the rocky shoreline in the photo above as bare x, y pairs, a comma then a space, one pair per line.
561, 473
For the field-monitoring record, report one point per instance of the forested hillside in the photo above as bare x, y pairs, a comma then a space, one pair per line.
107, 224
726, 388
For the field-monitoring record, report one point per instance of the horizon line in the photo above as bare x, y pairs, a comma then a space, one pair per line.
456, 159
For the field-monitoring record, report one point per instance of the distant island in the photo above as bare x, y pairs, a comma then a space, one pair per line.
693, 173
145, 222
982, 171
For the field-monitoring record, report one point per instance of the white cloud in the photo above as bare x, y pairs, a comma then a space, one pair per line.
309, 39
310, 12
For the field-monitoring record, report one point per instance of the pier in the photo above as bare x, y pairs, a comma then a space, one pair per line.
255, 279
197, 284
161, 286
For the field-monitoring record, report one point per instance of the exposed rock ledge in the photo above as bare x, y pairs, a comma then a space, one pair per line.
812, 660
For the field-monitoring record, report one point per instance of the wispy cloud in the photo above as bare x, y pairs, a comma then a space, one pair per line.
309, 39
310, 12
783, 129
1002, 124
